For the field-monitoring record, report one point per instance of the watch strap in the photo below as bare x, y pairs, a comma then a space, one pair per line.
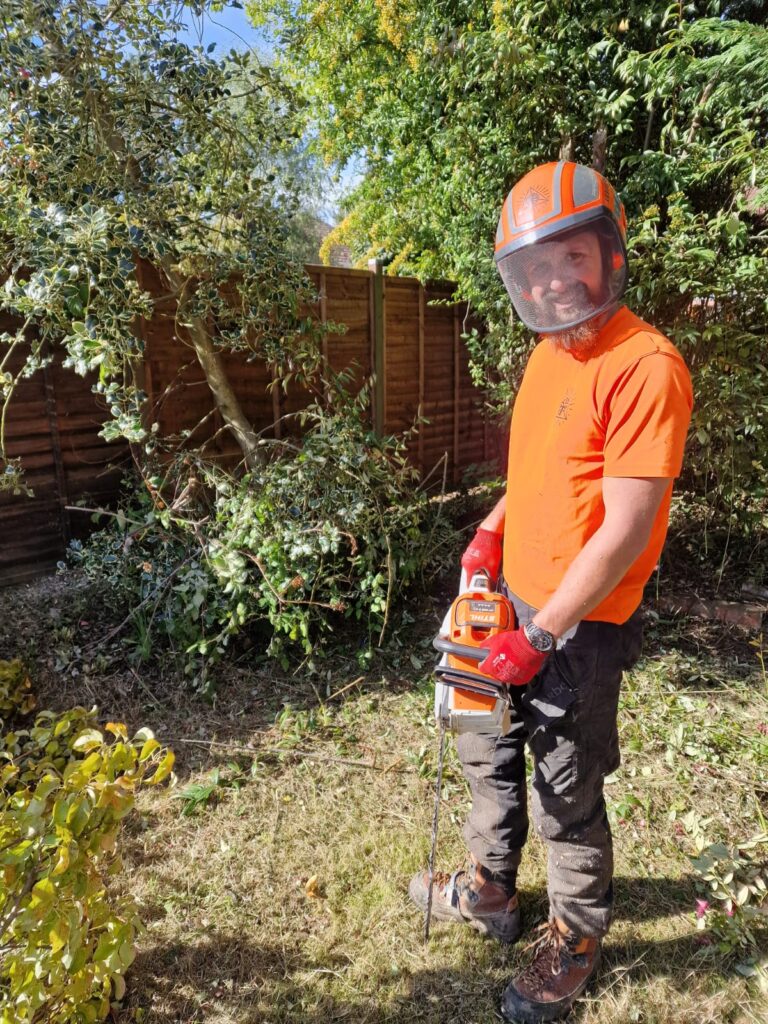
540, 639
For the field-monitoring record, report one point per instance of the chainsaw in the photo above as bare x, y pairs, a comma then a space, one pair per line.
466, 699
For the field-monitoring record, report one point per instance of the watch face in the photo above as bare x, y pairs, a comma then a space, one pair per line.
539, 638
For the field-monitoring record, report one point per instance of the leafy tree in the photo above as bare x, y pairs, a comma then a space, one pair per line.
449, 102
122, 147
120, 144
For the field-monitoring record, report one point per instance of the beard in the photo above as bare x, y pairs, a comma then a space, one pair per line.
574, 304
581, 338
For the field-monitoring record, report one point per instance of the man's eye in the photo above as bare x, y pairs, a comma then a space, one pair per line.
575, 257
540, 269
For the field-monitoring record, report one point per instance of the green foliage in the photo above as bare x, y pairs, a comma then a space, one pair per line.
122, 148
295, 725
447, 105
65, 787
332, 528
199, 795
149, 564
736, 881
16, 695
338, 528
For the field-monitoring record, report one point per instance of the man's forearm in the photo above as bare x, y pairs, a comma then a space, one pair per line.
594, 573
494, 521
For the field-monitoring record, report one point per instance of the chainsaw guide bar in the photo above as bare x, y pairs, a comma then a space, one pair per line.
466, 699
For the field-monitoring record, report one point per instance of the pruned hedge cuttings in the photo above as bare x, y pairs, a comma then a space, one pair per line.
332, 529
66, 784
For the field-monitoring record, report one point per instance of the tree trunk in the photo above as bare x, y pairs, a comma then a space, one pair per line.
567, 148
210, 361
225, 398
599, 146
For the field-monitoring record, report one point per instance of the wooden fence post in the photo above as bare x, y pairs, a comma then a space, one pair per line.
456, 392
277, 404
421, 376
379, 355
323, 287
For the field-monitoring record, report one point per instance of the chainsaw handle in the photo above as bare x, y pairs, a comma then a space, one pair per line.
445, 646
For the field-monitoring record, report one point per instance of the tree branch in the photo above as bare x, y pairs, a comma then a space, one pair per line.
599, 147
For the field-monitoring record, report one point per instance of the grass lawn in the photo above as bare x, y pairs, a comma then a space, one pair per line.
273, 878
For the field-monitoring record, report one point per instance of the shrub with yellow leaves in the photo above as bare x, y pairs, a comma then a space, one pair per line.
65, 787
15, 689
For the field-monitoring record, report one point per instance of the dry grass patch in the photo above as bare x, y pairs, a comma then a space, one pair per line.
277, 893
285, 900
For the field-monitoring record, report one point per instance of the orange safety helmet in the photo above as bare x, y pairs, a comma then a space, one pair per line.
541, 239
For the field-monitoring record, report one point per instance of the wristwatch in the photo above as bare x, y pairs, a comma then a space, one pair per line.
539, 638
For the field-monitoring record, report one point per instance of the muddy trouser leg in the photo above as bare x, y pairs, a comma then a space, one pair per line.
497, 826
570, 710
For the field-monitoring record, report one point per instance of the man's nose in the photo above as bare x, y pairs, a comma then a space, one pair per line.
557, 284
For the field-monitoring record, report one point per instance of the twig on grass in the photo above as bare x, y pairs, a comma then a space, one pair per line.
144, 687
308, 754
344, 689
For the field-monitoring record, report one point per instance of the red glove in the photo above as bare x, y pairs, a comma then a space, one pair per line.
484, 552
512, 658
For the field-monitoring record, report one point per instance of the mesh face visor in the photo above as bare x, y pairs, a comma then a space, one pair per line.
566, 279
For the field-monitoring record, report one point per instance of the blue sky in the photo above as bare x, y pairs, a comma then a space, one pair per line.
228, 29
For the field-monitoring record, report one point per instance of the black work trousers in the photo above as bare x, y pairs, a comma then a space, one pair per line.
567, 717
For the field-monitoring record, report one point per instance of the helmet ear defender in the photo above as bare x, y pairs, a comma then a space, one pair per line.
549, 204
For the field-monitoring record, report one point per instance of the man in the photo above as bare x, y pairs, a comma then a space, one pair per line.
597, 437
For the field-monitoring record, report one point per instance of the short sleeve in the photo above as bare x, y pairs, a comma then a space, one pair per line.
648, 416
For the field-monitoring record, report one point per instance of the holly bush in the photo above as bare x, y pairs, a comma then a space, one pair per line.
336, 528
66, 785
123, 147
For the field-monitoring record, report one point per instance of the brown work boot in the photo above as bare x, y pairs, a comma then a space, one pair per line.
562, 967
471, 897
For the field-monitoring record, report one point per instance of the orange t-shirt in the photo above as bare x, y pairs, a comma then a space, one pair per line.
621, 411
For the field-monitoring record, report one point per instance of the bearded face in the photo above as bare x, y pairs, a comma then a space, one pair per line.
571, 303
581, 338
560, 284
566, 283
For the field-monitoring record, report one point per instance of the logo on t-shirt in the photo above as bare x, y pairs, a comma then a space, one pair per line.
566, 404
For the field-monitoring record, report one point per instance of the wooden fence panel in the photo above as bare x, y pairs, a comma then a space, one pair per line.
347, 294
32, 529
53, 428
55, 418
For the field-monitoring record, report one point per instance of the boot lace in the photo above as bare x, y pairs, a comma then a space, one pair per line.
462, 874
548, 948
440, 879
